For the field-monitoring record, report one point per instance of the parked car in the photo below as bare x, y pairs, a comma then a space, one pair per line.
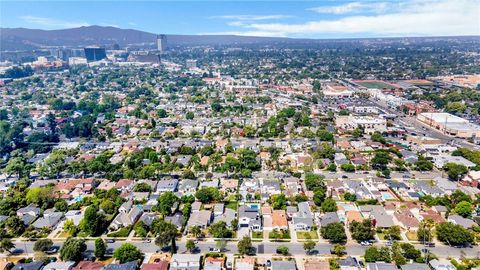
214, 249
110, 241
52, 250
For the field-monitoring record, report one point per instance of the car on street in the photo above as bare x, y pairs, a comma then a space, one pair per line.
366, 243
110, 241
214, 249
52, 250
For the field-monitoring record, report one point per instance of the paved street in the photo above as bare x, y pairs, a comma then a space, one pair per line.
295, 248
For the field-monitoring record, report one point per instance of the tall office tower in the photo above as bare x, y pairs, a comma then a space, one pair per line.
95, 53
161, 43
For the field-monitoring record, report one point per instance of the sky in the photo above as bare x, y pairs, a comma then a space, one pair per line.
296, 19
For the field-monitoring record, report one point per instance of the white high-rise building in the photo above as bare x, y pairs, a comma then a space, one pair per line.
161, 43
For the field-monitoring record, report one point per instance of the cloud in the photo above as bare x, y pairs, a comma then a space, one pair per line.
132, 24
415, 18
252, 17
51, 22
353, 7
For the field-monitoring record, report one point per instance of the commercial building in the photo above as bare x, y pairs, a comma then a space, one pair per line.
450, 124
335, 90
95, 53
369, 124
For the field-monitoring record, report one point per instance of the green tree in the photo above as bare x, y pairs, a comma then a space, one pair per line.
329, 205
464, 209
6, 245
190, 245
282, 250
393, 233
195, 231
335, 232
362, 231
141, 229
165, 232
244, 246
72, 249
455, 171
61, 205
220, 230
278, 201
454, 234
319, 195
93, 222
338, 249
42, 245
309, 245
208, 194
189, 115
166, 202
142, 187
100, 248
127, 253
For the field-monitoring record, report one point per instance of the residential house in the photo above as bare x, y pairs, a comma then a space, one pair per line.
185, 262
126, 217
283, 265
200, 219
328, 218
188, 187
29, 213
59, 266
441, 264
161, 265
88, 265
378, 215
459, 220
303, 219
49, 220
381, 266
167, 185
316, 265
249, 218
349, 263
414, 266
177, 219
35, 265
124, 266
246, 263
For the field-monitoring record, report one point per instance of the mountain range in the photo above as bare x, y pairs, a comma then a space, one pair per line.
23, 38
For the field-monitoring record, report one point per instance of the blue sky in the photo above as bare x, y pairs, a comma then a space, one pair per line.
308, 19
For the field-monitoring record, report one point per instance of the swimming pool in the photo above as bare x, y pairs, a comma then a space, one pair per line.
387, 196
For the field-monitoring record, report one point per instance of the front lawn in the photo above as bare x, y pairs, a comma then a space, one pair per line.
281, 235
307, 235
258, 235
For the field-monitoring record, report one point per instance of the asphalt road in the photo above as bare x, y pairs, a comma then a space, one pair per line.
352, 249
394, 175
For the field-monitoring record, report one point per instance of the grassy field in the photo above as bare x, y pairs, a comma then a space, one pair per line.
307, 235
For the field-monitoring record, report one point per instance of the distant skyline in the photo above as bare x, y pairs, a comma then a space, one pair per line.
296, 19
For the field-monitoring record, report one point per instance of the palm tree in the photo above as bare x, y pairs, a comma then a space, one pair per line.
6, 245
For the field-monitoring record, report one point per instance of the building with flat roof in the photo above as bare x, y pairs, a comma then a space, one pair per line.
450, 124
